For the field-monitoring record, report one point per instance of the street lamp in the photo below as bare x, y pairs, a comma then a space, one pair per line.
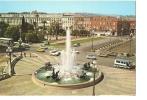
131, 35
122, 29
94, 72
9, 51
92, 33
0, 30
20, 42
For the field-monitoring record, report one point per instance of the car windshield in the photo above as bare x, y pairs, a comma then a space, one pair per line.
54, 51
91, 55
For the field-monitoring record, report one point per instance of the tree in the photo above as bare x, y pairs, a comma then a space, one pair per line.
25, 27
29, 26
3, 28
62, 32
75, 33
123, 28
37, 16
44, 29
33, 37
55, 29
44, 22
49, 32
40, 37
84, 33
12, 32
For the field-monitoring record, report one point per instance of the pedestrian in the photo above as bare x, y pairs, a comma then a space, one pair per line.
24, 54
30, 54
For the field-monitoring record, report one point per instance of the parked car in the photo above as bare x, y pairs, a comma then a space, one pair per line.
40, 50
46, 43
76, 44
25, 45
44, 47
55, 53
77, 52
91, 56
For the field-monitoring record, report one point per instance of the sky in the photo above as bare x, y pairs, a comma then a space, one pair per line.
71, 6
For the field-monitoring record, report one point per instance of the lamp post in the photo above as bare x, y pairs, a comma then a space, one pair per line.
94, 72
9, 51
122, 29
131, 35
92, 33
20, 42
0, 30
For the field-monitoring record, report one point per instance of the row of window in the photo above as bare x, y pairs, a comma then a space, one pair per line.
121, 62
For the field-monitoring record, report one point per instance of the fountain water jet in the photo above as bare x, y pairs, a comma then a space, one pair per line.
67, 56
68, 68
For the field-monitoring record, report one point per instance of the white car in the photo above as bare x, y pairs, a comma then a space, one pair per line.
26, 45
77, 52
91, 56
55, 53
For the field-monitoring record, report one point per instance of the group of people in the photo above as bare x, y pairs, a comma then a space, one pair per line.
24, 54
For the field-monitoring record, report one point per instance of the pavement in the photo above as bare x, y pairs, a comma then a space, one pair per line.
115, 82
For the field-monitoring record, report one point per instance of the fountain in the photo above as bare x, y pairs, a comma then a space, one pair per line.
67, 73
67, 57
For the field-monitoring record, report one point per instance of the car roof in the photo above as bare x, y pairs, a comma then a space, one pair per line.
54, 50
91, 55
121, 59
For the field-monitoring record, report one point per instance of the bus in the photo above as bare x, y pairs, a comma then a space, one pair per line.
6, 42
123, 63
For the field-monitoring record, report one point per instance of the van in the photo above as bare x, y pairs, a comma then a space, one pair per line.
123, 63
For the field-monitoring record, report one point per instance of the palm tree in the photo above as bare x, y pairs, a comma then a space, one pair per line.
37, 16
44, 29
55, 28
44, 22
49, 32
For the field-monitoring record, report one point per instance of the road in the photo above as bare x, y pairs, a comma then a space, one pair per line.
116, 81
84, 49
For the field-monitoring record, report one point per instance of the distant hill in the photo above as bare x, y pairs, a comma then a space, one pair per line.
77, 13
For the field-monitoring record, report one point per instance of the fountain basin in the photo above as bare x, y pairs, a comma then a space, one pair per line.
70, 84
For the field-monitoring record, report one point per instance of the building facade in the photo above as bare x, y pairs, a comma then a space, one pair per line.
98, 23
67, 20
